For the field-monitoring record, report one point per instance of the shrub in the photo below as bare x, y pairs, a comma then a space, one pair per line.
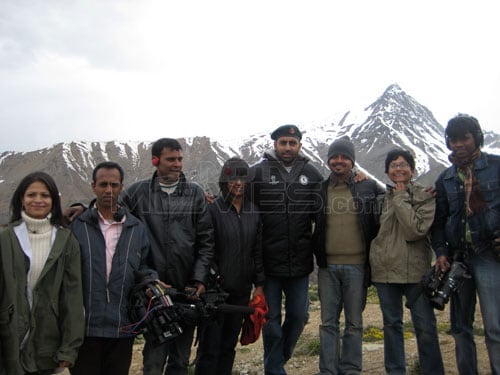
371, 334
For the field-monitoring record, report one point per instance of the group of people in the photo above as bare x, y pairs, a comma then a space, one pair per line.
64, 290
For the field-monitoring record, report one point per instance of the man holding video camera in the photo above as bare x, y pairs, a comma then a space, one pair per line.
467, 229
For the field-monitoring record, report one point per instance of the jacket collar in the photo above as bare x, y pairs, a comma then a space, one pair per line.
90, 216
155, 182
349, 181
227, 205
271, 155
297, 166
480, 164
21, 232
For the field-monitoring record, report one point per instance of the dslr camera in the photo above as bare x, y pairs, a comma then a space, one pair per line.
438, 285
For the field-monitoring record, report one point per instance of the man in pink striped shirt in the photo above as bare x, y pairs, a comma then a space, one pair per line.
114, 244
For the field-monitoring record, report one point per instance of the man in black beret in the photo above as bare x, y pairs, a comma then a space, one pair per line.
286, 131
285, 188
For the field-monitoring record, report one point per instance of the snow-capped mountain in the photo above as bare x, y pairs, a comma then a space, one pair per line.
393, 119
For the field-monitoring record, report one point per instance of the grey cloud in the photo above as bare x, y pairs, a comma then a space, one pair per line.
103, 33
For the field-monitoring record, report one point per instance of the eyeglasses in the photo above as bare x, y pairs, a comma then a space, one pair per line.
401, 165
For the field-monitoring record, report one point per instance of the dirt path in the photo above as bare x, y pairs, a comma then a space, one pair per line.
249, 358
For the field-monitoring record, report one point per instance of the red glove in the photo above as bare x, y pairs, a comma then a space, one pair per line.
253, 323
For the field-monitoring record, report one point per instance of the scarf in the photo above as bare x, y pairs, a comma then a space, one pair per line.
474, 201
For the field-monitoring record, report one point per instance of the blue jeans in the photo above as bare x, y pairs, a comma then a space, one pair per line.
279, 340
177, 351
485, 271
341, 286
424, 323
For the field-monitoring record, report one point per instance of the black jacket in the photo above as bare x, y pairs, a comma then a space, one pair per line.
179, 227
367, 195
288, 206
238, 246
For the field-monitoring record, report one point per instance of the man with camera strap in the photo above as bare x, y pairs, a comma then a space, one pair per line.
467, 225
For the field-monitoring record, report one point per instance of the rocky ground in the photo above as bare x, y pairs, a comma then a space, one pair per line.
305, 360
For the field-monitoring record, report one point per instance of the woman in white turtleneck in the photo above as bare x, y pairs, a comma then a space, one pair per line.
41, 303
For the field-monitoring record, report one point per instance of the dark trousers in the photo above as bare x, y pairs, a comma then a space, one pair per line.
218, 339
106, 356
174, 354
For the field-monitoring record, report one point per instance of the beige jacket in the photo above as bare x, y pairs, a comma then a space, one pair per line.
401, 253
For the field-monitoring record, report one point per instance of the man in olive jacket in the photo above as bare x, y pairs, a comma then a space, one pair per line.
399, 256
343, 232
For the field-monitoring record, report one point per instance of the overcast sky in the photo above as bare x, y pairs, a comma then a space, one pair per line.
139, 70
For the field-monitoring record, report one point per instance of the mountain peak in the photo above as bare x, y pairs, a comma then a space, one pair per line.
393, 89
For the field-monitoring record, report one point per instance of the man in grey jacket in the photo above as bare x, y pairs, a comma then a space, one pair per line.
182, 241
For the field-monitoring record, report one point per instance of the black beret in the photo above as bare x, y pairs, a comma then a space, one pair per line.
286, 131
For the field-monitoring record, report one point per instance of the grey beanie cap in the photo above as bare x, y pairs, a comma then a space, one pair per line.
342, 146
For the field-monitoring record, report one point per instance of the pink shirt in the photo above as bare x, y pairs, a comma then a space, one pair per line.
111, 230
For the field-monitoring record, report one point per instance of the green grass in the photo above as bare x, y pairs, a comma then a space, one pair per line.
371, 295
313, 293
307, 345
371, 334
414, 368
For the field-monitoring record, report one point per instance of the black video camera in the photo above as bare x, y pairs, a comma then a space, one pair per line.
438, 285
161, 313
154, 313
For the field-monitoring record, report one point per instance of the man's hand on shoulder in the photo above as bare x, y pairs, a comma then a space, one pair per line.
360, 176
72, 212
431, 190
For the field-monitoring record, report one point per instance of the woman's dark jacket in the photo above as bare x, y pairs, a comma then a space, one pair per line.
238, 246
179, 227
107, 302
288, 205
367, 196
